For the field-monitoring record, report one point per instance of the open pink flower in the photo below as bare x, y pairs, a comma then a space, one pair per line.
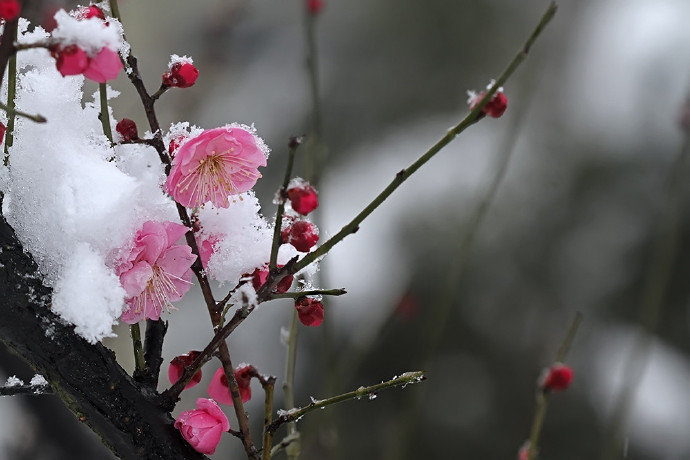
156, 271
203, 426
106, 65
214, 165
218, 388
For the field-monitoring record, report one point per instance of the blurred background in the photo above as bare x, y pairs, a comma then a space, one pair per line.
475, 267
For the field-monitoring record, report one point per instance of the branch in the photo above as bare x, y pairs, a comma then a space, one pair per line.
86, 377
296, 413
472, 118
543, 395
272, 266
297, 294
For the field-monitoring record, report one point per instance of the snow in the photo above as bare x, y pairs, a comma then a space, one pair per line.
174, 59
247, 240
13, 381
38, 380
89, 34
89, 295
76, 202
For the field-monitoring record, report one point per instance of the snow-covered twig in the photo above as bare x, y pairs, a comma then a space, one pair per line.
37, 386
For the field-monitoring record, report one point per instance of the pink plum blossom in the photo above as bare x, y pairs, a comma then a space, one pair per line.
218, 388
207, 246
156, 270
214, 165
203, 426
106, 65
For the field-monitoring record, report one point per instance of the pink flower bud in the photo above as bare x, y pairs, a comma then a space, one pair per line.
127, 129
203, 427
106, 65
180, 75
523, 453
218, 388
303, 198
309, 310
302, 234
558, 377
314, 6
70, 60
9, 9
259, 277
177, 365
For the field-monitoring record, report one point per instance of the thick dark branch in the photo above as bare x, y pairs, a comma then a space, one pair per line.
153, 351
86, 377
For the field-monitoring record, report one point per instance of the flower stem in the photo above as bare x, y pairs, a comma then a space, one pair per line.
10, 111
472, 118
543, 396
293, 450
139, 363
11, 93
105, 114
291, 415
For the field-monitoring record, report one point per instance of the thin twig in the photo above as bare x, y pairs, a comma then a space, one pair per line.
10, 111
292, 145
269, 387
369, 392
472, 118
11, 114
297, 294
543, 394
105, 113
655, 286
289, 383
284, 443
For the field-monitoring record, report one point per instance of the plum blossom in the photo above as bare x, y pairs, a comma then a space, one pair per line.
177, 365
309, 310
216, 164
558, 377
218, 388
156, 271
203, 426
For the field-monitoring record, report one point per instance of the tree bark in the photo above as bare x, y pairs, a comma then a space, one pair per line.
126, 415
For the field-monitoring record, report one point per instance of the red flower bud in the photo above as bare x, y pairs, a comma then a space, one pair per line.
314, 6
303, 198
494, 108
70, 60
259, 277
558, 377
3, 128
302, 234
9, 9
175, 144
309, 310
218, 388
92, 11
180, 75
127, 129
177, 365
